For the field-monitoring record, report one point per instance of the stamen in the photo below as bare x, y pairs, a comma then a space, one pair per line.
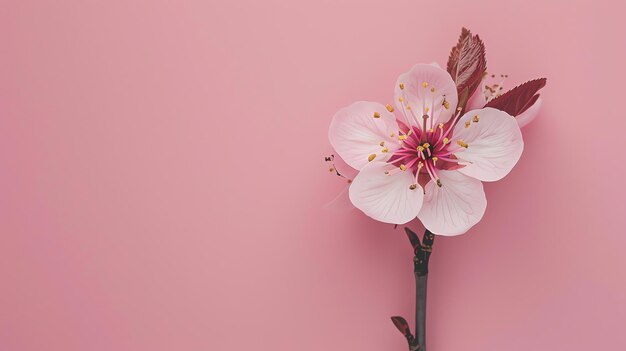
425, 84
400, 99
376, 115
453, 160
403, 167
401, 158
384, 150
413, 186
445, 141
420, 164
426, 145
389, 108
454, 120
371, 157
461, 143
476, 119
382, 143
467, 124
392, 135
402, 137
431, 171
439, 183
402, 86
445, 104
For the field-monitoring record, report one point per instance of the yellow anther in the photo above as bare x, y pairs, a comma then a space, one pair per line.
439, 183
371, 157
331, 169
389, 108
401, 85
376, 115
408, 107
392, 135
431, 130
432, 90
446, 104
440, 126
426, 145
413, 186
420, 165
467, 124
476, 119
461, 143
382, 143
384, 150
420, 148
445, 141
435, 158
401, 137
400, 99
410, 132
403, 167
427, 109
425, 84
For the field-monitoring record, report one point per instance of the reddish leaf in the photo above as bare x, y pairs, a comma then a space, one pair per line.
518, 99
454, 54
467, 62
402, 326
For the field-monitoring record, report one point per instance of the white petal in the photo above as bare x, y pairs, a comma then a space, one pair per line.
456, 206
418, 93
529, 115
494, 143
355, 134
386, 197
477, 100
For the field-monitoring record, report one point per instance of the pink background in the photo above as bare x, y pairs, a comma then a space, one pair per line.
162, 179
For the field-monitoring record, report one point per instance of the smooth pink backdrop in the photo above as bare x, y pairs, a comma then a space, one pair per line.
162, 178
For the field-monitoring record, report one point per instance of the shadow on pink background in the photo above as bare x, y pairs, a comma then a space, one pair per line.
162, 179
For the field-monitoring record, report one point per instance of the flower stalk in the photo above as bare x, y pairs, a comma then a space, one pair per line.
420, 269
422, 251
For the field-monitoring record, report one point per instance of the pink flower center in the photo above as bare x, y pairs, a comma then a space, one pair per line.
426, 151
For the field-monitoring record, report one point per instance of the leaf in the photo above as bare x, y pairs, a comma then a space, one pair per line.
454, 54
518, 99
402, 326
467, 62
413, 238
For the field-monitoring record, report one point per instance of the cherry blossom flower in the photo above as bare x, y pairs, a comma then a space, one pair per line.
426, 160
